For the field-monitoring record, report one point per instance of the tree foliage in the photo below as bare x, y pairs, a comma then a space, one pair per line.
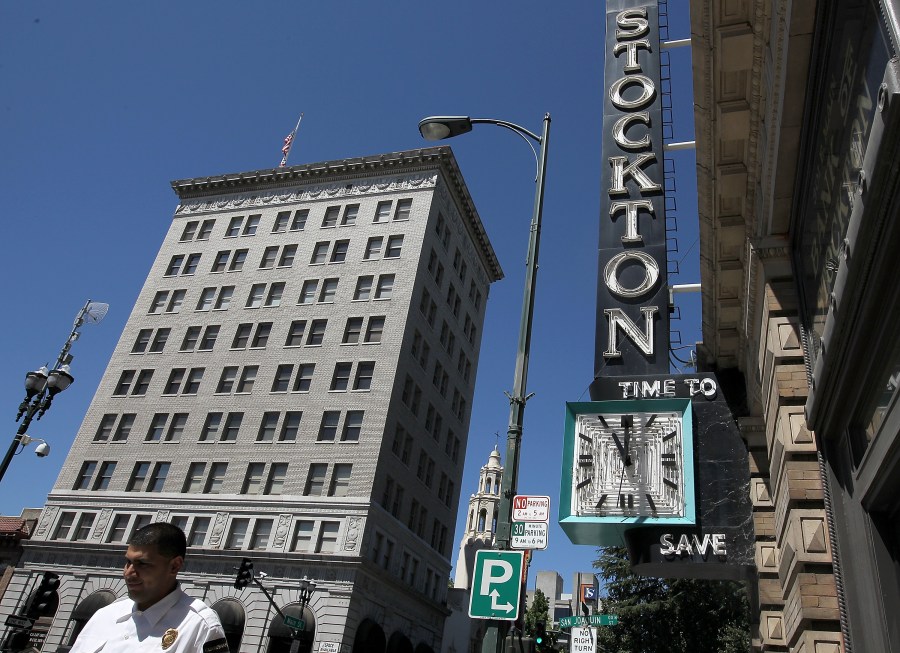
539, 610
659, 615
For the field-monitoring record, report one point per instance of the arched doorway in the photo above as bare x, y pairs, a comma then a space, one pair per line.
86, 609
231, 614
280, 636
369, 638
399, 643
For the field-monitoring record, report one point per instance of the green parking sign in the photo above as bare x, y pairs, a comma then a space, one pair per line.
496, 585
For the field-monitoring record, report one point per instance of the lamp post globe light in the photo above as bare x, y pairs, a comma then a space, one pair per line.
441, 127
42, 385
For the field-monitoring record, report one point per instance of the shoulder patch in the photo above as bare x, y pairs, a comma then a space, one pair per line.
216, 646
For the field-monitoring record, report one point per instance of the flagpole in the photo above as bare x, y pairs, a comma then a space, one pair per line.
292, 136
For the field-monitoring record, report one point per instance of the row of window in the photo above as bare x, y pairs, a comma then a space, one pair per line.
334, 425
241, 380
334, 216
392, 501
322, 479
411, 396
382, 553
377, 247
402, 445
270, 295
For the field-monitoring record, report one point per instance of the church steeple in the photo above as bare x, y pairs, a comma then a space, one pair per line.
481, 518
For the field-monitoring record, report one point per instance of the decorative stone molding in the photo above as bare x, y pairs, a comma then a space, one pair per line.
281, 531
351, 537
48, 516
218, 529
100, 524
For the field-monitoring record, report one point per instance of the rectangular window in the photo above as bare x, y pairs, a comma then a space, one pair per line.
304, 377
291, 426
374, 329
270, 254
158, 477
261, 531
267, 427
295, 333
282, 379
281, 222
363, 288
403, 209
199, 528
350, 213
176, 427
352, 426
209, 337
339, 253
216, 478
287, 256
275, 482
104, 430
373, 248
159, 341
125, 380
241, 336
341, 377
308, 291
124, 427
255, 298
211, 427
237, 534
331, 216
365, 370
385, 286
315, 480
191, 264
64, 527
329, 425
248, 377
251, 226
189, 230
261, 336
83, 482
303, 534
224, 299
142, 383
352, 330
226, 381
320, 253
159, 300
340, 480
234, 227
299, 222
104, 476
316, 333
394, 245
141, 342
232, 427
206, 228
194, 481
119, 526
253, 480
328, 537
382, 211
221, 261
138, 477
192, 385
276, 292
176, 301
174, 266
176, 376
328, 291
83, 531
157, 427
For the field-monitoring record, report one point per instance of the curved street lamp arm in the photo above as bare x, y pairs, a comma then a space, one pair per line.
521, 131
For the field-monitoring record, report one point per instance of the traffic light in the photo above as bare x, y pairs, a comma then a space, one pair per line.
43, 600
244, 575
540, 634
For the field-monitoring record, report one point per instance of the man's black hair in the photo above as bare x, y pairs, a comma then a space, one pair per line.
168, 539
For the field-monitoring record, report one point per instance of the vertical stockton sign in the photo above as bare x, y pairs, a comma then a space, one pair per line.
632, 296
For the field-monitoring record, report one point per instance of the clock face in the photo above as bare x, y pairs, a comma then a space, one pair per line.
628, 465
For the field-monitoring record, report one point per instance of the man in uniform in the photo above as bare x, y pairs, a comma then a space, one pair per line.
159, 616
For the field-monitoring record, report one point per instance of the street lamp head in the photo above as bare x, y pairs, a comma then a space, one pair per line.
436, 128
59, 379
34, 381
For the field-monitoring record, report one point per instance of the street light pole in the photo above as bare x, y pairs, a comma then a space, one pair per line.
41, 386
446, 127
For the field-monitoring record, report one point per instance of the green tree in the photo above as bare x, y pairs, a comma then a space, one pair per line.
539, 610
670, 616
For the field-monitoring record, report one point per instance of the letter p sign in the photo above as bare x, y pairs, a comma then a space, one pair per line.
496, 585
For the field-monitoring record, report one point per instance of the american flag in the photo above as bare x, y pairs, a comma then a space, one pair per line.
288, 140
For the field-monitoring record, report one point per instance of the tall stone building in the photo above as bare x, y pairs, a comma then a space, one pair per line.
293, 386
797, 108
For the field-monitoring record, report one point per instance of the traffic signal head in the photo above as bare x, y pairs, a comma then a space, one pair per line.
244, 575
43, 600
540, 633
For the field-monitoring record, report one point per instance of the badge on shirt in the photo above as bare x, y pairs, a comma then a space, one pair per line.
168, 638
216, 646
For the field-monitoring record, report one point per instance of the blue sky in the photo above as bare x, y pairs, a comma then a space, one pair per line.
103, 103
